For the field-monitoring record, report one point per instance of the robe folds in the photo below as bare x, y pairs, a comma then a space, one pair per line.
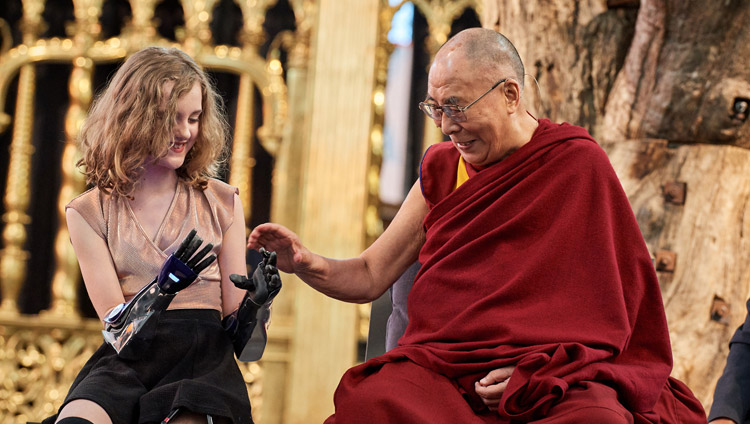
537, 261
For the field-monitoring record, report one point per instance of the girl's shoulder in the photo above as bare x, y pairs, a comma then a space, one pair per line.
91, 206
91, 198
220, 196
220, 188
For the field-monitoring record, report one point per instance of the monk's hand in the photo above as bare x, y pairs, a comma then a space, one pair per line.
291, 255
491, 387
722, 421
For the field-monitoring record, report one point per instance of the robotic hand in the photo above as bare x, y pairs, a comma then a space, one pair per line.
129, 327
247, 325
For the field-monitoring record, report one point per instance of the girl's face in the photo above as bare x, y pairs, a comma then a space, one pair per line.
186, 126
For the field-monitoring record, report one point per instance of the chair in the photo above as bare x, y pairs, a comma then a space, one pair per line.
388, 315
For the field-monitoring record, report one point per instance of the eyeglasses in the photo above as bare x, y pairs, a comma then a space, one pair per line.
456, 113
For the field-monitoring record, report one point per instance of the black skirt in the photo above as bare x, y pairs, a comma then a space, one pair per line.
189, 365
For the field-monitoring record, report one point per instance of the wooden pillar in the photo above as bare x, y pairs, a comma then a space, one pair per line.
333, 192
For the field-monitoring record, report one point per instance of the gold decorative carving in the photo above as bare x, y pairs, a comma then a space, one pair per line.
304, 12
39, 358
288, 174
6, 36
140, 30
31, 23
86, 27
440, 15
254, 14
138, 33
197, 17
12, 257
66, 278
243, 161
267, 76
383, 50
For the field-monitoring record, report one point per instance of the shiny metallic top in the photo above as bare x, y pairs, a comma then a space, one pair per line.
138, 259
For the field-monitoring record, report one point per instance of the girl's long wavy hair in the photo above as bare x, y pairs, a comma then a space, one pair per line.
129, 125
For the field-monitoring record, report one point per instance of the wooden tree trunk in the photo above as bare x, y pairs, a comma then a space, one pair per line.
686, 71
573, 49
705, 293
664, 85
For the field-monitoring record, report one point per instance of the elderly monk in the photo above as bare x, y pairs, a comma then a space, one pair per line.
536, 301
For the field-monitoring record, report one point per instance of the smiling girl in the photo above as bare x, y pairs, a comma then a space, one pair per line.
151, 148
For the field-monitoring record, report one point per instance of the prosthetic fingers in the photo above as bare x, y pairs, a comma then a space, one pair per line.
247, 325
129, 327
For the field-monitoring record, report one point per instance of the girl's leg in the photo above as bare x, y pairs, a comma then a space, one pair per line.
85, 409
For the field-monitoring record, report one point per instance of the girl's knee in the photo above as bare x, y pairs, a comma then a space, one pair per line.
83, 409
74, 420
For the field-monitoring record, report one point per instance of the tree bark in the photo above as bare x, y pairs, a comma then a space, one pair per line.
704, 295
573, 49
684, 73
664, 85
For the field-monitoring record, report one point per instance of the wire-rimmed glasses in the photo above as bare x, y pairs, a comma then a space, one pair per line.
455, 112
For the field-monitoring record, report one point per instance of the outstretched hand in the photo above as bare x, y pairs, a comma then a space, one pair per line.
492, 386
292, 256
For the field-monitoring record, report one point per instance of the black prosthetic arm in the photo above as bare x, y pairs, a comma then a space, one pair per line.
247, 325
129, 327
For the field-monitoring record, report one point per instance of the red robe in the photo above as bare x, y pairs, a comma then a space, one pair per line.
537, 261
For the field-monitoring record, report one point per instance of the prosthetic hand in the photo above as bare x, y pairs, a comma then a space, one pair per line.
129, 327
247, 325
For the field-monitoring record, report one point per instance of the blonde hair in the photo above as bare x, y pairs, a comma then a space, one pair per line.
128, 124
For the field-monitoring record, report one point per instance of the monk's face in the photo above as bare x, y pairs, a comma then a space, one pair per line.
481, 138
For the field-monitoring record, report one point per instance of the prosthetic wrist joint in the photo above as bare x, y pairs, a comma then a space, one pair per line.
247, 325
130, 326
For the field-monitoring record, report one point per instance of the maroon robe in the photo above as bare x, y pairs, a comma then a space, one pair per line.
537, 261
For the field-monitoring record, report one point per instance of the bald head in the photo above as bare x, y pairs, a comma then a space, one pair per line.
487, 50
479, 69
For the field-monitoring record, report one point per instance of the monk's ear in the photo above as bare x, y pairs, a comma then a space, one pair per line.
512, 94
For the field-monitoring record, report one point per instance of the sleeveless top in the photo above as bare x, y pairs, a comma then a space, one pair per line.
138, 259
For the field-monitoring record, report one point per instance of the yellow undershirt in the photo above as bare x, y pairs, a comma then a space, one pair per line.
461, 176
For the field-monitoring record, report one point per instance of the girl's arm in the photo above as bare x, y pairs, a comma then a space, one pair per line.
96, 264
232, 259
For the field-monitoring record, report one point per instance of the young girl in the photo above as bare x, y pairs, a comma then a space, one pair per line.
151, 146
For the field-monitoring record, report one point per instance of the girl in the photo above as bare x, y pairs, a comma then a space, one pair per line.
151, 145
